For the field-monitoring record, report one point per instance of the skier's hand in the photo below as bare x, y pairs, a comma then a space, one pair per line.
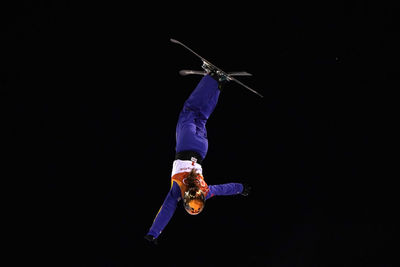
151, 240
246, 190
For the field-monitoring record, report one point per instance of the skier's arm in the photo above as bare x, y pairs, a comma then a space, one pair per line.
166, 211
225, 189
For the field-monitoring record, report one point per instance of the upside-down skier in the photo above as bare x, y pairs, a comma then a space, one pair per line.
188, 183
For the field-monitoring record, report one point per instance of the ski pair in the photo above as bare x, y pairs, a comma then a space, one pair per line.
208, 66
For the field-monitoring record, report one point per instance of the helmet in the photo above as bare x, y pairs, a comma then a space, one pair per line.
194, 201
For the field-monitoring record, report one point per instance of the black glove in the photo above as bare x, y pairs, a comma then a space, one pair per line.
246, 190
151, 240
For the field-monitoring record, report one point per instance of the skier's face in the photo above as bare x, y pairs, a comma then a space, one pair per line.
194, 201
194, 207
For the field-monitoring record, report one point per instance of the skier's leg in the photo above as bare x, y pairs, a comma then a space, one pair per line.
191, 133
204, 98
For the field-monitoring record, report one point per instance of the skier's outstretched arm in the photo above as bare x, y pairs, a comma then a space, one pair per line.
165, 213
228, 189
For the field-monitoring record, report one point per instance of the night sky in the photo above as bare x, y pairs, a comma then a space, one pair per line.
91, 98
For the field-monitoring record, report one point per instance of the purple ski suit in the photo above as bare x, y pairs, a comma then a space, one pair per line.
191, 149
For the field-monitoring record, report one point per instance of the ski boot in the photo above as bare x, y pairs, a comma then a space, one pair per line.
221, 77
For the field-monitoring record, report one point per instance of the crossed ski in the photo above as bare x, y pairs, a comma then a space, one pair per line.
229, 75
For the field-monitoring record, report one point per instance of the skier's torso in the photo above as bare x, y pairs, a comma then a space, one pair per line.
180, 170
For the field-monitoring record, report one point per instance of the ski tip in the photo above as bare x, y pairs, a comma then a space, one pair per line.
257, 93
245, 73
174, 41
184, 72
240, 73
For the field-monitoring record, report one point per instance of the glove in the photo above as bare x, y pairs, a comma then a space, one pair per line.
151, 240
246, 190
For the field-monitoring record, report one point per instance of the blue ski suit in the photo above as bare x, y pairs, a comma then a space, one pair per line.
191, 149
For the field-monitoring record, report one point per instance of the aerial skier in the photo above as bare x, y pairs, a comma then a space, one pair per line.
188, 183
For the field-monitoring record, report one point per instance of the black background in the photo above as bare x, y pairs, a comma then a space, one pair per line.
91, 96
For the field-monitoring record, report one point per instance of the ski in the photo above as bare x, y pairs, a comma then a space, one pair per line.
208, 64
197, 72
188, 72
